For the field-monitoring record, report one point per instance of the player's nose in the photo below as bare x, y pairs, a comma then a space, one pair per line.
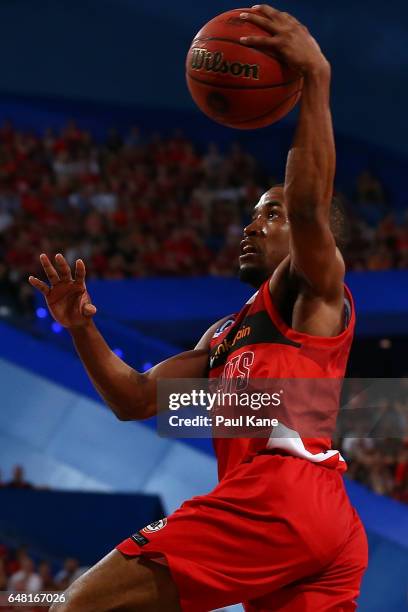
253, 228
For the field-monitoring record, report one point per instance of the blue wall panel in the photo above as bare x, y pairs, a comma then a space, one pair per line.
381, 300
385, 583
67, 441
65, 524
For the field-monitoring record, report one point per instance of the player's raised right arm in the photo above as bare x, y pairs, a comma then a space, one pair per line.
130, 394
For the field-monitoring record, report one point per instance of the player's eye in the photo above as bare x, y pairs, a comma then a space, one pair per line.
272, 214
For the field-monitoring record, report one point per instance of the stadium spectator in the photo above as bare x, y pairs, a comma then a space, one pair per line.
379, 477
3, 577
17, 572
212, 161
47, 579
13, 560
26, 578
18, 480
70, 572
401, 475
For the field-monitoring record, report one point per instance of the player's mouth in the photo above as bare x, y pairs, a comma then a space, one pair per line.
248, 250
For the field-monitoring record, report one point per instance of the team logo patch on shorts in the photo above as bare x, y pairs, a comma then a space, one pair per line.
156, 526
139, 539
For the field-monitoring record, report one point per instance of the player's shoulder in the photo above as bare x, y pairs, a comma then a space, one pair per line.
222, 325
215, 330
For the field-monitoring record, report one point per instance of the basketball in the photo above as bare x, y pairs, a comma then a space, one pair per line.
236, 85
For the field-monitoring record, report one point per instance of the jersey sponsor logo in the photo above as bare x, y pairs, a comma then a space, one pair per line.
221, 329
227, 344
155, 526
254, 329
243, 332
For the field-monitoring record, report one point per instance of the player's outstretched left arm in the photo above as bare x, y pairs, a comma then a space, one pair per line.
130, 394
312, 159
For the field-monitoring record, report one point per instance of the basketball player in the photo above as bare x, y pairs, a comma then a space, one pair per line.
278, 531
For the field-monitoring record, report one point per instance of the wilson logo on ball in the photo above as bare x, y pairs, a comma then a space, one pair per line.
213, 61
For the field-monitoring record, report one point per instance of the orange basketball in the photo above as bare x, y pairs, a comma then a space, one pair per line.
236, 85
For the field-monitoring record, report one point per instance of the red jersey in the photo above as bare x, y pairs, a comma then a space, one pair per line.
278, 532
258, 341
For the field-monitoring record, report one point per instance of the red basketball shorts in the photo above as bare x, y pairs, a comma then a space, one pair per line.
278, 533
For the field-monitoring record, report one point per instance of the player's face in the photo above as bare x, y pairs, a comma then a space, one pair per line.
266, 239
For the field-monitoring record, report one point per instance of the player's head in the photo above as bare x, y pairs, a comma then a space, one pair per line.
266, 238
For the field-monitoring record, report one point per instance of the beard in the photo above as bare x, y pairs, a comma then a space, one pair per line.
253, 275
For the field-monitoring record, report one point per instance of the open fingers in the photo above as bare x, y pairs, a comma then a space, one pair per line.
49, 270
273, 13
267, 24
264, 42
269, 19
64, 271
266, 9
39, 284
80, 271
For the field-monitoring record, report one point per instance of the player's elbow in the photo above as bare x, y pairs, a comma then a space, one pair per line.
134, 413
120, 408
122, 416
119, 413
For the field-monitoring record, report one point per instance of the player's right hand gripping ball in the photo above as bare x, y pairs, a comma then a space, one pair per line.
236, 85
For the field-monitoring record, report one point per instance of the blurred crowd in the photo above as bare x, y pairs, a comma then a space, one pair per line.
137, 206
378, 234
380, 464
19, 572
372, 430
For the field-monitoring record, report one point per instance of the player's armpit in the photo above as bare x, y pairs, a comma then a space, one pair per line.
190, 364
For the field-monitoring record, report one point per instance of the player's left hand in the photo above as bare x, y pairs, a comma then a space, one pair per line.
286, 37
